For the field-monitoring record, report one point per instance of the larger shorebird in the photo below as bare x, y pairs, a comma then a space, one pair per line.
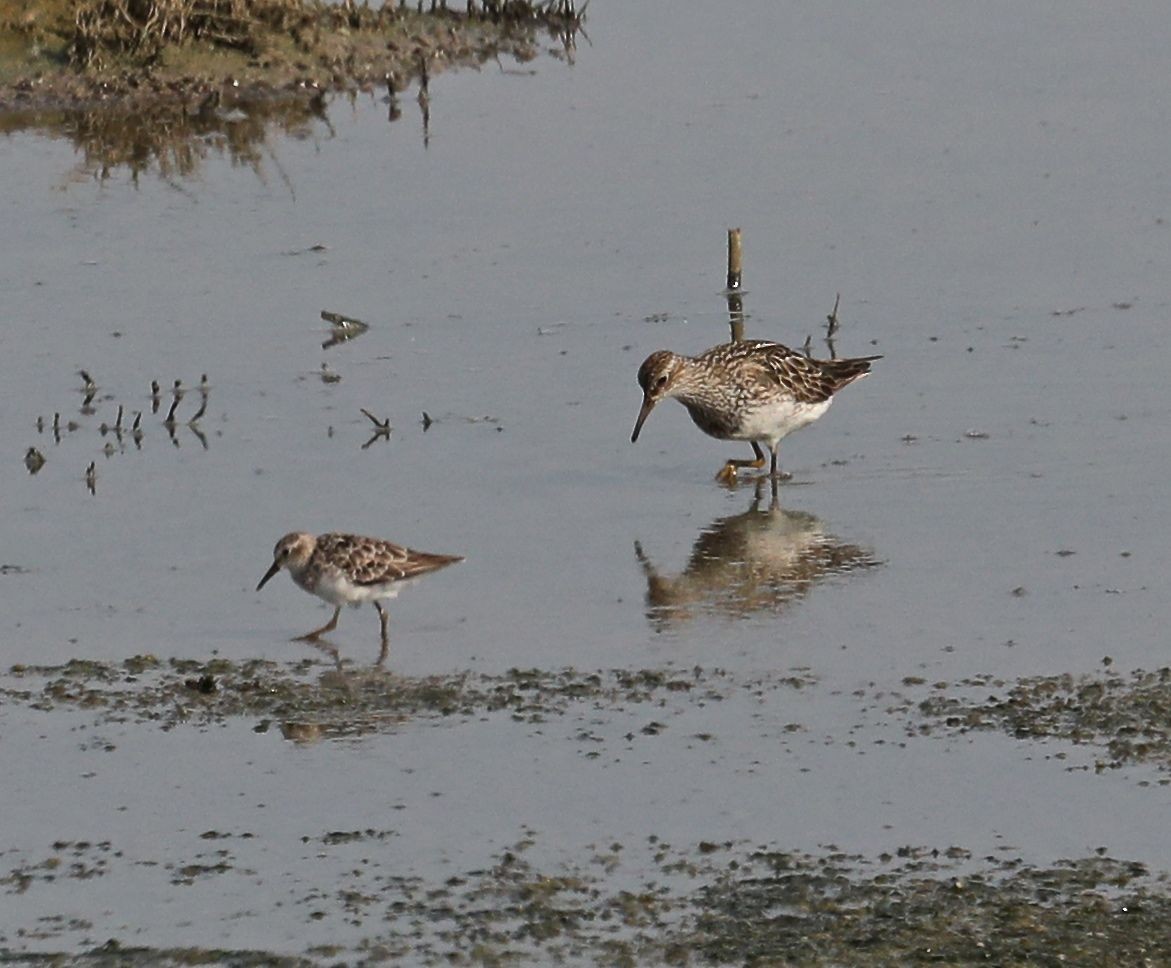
752, 390
348, 569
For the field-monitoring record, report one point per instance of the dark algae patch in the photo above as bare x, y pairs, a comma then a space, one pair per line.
652, 903
1127, 716
779, 908
621, 902
115, 955
646, 901
310, 701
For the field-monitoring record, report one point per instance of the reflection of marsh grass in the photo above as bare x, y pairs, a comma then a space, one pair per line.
177, 143
172, 137
168, 83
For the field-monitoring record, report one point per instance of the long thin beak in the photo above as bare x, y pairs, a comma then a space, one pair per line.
268, 574
648, 404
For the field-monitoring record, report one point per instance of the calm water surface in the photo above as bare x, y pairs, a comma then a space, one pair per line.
986, 189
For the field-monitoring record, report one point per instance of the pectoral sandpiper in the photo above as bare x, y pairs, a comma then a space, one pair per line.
752, 390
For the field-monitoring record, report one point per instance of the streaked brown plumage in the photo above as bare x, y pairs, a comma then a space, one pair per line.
348, 569
752, 390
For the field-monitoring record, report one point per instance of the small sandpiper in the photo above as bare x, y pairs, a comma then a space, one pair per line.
348, 569
752, 390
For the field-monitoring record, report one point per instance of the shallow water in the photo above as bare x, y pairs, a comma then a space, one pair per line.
987, 192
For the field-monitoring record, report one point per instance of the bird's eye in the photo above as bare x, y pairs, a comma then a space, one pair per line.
661, 382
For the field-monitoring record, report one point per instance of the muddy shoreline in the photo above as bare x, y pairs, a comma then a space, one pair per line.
164, 103
618, 902
130, 57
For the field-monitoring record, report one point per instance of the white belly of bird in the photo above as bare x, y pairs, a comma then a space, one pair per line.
337, 589
776, 420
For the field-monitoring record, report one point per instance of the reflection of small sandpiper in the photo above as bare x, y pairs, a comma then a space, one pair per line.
348, 569
750, 390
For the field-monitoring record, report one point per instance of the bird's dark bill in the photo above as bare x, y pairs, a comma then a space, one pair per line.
647, 406
268, 574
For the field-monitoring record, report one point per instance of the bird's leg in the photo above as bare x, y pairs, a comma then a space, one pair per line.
317, 633
728, 474
775, 474
383, 617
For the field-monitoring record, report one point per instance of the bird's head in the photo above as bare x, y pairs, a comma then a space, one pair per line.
292, 551
656, 376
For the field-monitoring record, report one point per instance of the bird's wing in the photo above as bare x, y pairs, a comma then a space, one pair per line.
809, 380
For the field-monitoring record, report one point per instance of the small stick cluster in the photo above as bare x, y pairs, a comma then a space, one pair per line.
122, 427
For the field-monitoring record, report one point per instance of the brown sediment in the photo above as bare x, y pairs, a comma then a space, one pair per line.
137, 82
347, 701
1124, 717
66, 55
651, 902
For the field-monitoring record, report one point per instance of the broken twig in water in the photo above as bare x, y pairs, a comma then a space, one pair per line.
381, 425
732, 292
831, 321
382, 428
204, 393
115, 429
343, 328
831, 327
177, 395
735, 256
90, 390
424, 99
394, 110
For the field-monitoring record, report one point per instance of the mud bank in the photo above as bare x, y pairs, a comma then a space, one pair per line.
135, 53
162, 85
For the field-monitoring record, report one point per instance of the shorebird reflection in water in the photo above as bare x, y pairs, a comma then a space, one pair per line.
348, 569
752, 390
758, 561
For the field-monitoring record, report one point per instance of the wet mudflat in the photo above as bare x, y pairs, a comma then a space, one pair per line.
913, 710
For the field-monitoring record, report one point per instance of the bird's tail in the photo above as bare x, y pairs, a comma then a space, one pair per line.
844, 372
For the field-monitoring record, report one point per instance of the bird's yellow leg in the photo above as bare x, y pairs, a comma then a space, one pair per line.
727, 474
317, 633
